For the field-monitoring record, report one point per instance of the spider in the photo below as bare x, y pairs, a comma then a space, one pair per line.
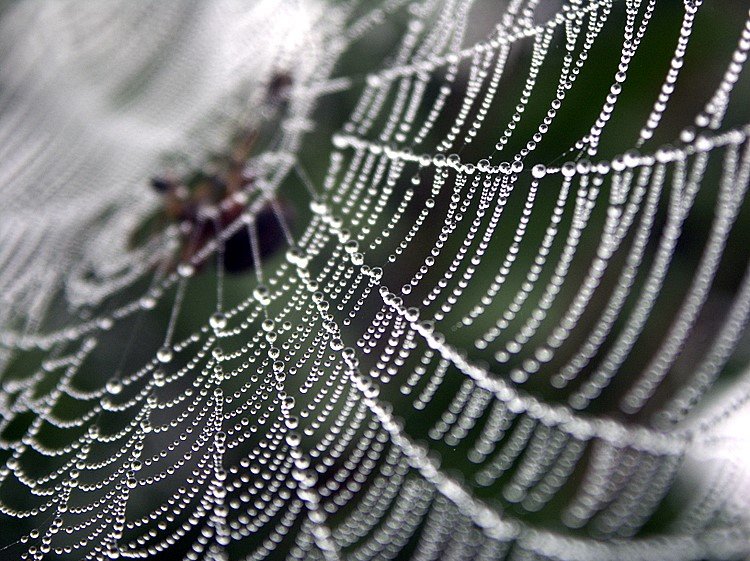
204, 202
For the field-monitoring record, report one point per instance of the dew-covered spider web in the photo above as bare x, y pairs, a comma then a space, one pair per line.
431, 280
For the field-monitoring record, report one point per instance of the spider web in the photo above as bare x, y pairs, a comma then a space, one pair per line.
493, 329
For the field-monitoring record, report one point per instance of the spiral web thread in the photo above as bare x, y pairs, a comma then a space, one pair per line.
291, 424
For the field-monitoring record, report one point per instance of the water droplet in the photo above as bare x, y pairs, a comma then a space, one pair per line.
351, 246
185, 270
412, 314
293, 439
318, 207
262, 295
339, 141
164, 354
218, 321
337, 344
297, 256
159, 378
687, 135
568, 169
114, 387
539, 171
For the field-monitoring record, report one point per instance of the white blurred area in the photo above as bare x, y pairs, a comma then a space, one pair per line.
717, 465
88, 117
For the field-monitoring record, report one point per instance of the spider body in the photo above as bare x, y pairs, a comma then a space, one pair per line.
205, 202
209, 205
